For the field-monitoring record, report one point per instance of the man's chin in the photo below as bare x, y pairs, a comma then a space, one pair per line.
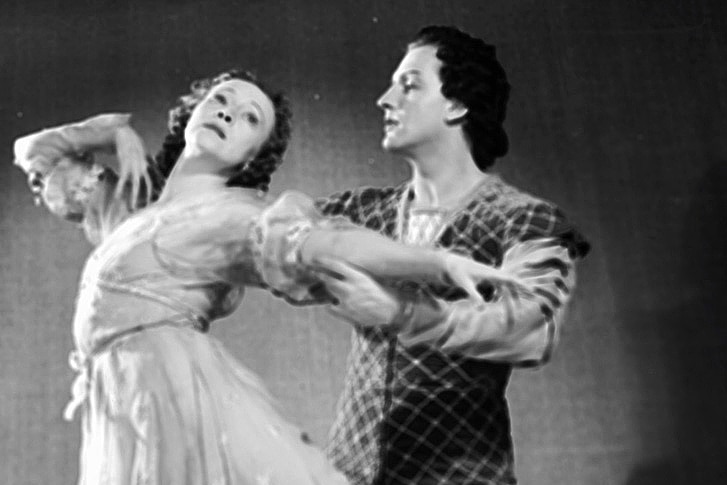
390, 145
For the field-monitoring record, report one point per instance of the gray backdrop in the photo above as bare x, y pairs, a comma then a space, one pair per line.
617, 114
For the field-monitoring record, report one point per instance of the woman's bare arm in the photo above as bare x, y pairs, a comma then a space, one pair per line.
374, 253
388, 259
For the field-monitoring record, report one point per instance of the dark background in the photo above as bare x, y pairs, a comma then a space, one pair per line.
617, 114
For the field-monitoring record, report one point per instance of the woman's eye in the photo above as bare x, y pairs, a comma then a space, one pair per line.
251, 118
408, 87
221, 99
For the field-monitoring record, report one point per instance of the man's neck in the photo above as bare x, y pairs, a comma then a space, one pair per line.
441, 178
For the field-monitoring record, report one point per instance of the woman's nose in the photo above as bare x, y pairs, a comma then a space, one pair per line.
224, 116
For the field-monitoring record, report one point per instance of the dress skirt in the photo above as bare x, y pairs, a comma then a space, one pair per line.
169, 405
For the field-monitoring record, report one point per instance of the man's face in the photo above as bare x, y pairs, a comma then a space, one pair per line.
415, 111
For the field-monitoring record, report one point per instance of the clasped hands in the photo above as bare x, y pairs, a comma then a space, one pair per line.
360, 299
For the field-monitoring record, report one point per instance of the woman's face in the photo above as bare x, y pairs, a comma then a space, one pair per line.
231, 123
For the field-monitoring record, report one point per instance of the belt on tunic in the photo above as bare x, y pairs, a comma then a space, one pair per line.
82, 363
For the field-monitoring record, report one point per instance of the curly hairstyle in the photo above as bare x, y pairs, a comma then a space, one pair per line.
472, 75
255, 173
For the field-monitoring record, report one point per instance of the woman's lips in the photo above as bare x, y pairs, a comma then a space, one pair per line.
215, 128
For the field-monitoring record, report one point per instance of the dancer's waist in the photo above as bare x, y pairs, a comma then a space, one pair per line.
109, 309
82, 361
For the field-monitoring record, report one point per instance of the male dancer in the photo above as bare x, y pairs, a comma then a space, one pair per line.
424, 399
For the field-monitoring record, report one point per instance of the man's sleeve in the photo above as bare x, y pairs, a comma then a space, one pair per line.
540, 248
338, 204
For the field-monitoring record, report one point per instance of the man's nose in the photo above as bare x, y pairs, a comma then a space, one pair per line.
386, 100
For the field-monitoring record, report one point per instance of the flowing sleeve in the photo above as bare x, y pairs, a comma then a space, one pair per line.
41, 151
233, 240
209, 240
73, 186
540, 251
279, 234
84, 193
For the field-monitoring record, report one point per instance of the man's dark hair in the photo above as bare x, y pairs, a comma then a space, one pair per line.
472, 75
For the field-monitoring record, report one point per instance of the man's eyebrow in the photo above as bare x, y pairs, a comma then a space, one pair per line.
408, 72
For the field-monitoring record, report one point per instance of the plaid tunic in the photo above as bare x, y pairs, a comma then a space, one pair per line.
414, 414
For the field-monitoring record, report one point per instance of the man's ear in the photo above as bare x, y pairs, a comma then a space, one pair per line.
456, 111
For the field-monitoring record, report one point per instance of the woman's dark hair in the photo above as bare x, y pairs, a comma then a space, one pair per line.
472, 75
253, 174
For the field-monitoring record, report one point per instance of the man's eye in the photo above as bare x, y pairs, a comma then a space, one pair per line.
251, 118
221, 99
408, 87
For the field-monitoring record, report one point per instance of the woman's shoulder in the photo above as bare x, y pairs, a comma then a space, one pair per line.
220, 203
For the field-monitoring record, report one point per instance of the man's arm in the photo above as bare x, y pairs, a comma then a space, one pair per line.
514, 328
519, 329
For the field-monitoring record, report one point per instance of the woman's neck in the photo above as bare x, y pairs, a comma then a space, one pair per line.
191, 176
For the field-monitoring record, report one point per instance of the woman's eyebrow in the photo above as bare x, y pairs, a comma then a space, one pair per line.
259, 109
233, 92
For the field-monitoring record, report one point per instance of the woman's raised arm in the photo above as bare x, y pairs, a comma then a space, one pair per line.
39, 154
96, 191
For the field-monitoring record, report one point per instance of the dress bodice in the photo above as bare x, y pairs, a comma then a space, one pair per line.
187, 258
189, 261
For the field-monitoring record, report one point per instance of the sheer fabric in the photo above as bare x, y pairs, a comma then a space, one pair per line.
163, 402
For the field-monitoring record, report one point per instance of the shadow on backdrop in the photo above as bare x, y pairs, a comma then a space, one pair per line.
695, 346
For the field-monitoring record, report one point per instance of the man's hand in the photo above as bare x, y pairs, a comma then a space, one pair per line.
361, 300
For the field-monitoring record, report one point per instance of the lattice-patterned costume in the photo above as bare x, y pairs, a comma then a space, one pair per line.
427, 404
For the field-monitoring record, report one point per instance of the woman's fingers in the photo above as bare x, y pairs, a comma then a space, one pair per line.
330, 268
149, 186
337, 280
333, 286
144, 188
132, 166
121, 183
140, 184
135, 183
337, 268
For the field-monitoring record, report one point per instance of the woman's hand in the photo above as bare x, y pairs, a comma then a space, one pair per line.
466, 273
133, 167
359, 298
38, 153
111, 132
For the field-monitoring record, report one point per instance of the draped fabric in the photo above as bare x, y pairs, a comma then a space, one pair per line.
160, 401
